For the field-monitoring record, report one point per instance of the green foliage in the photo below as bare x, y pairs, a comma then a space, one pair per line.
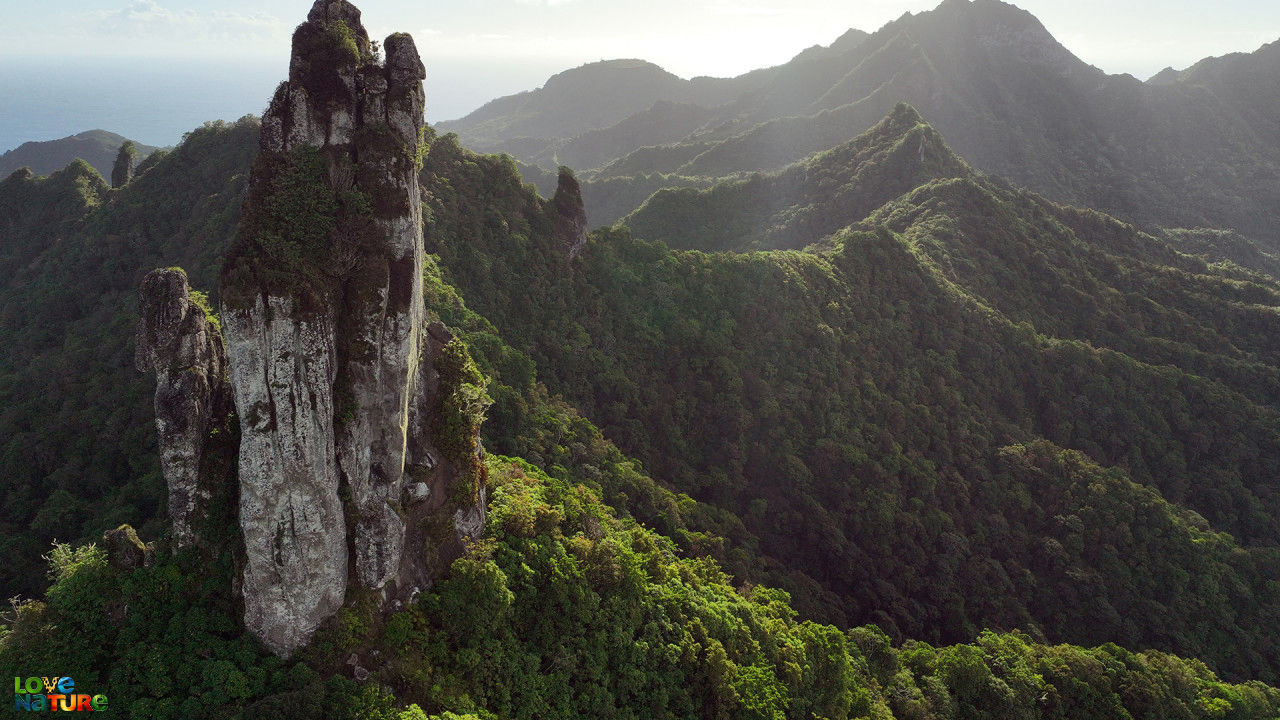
460, 412
201, 300
77, 434
857, 422
323, 50
567, 611
66, 560
122, 171
343, 39
525, 420
806, 201
284, 238
923, 424
166, 642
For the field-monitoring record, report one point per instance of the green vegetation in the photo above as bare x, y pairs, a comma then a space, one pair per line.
974, 423
807, 201
459, 414
77, 430
98, 148
166, 642
863, 423
285, 240
122, 171
201, 300
323, 50
563, 610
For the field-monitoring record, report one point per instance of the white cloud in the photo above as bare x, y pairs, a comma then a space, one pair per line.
740, 9
148, 20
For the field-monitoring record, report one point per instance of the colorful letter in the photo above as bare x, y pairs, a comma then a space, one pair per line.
66, 685
84, 702
50, 685
21, 702
38, 702
33, 685
99, 702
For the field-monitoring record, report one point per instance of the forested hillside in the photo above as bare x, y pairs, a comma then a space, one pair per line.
76, 423
1186, 149
965, 414
957, 414
98, 148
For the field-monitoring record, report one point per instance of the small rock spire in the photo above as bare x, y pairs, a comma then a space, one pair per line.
179, 340
122, 172
569, 214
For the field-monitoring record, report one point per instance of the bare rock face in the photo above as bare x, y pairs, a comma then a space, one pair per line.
330, 359
181, 344
125, 551
122, 171
282, 369
569, 214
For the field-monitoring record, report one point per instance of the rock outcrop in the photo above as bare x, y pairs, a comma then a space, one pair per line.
343, 475
569, 214
125, 551
180, 342
122, 171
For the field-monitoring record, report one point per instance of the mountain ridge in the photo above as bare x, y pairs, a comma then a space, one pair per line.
897, 427
96, 147
1191, 149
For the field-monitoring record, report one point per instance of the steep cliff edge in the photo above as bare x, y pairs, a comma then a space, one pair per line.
180, 342
358, 456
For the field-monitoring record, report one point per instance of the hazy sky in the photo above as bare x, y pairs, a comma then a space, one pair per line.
479, 49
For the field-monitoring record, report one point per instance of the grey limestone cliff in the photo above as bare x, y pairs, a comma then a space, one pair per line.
569, 214
179, 341
333, 368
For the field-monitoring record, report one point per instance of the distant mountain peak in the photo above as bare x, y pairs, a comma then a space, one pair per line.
992, 24
609, 67
903, 114
96, 147
851, 39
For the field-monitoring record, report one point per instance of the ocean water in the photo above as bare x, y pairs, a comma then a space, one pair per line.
150, 101
155, 101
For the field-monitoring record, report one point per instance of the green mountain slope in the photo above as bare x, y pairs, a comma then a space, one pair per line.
77, 439
1189, 149
566, 611
96, 147
874, 407
907, 424
807, 201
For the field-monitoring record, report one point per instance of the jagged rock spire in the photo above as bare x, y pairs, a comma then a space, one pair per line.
570, 215
122, 171
330, 358
179, 342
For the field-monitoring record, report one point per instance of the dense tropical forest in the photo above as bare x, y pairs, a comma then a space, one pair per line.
866, 433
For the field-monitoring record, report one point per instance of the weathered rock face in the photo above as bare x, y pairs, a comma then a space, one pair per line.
330, 359
570, 215
125, 551
282, 369
122, 171
182, 345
